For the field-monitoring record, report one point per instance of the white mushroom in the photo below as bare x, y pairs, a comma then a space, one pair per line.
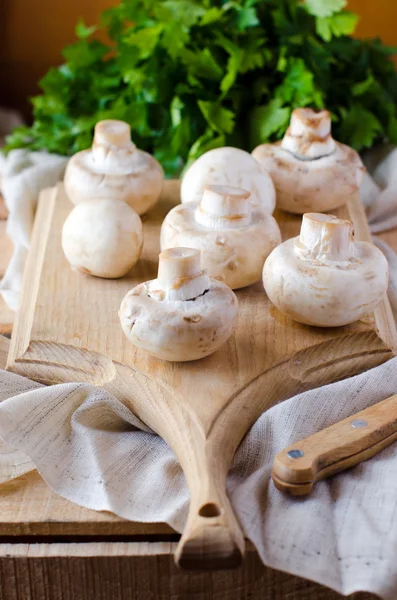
183, 314
232, 167
310, 170
323, 277
114, 168
102, 238
234, 239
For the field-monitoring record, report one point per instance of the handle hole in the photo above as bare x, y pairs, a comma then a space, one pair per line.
210, 510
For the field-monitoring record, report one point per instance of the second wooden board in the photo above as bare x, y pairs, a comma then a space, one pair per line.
67, 329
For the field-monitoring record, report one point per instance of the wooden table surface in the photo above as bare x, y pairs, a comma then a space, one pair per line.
51, 548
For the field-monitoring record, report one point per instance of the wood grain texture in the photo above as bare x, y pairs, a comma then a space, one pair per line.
67, 329
336, 448
3, 209
4, 347
144, 571
6, 315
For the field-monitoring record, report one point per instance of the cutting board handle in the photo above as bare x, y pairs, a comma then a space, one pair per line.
212, 537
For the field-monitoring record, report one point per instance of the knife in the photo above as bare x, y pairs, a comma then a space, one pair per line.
336, 448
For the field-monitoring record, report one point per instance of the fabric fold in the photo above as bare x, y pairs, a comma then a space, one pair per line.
90, 448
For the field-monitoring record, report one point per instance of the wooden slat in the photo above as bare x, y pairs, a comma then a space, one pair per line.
4, 347
144, 571
3, 210
6, 315
28, 507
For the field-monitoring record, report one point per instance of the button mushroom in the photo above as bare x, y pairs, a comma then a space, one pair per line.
114, 168
323, 277
232, 167
311, 171
183, 314
233, 237
102, 238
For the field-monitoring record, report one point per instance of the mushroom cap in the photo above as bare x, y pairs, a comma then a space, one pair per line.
102, 238
318, 185
177, 330
325, 294
232, 167
114, 168
234, 256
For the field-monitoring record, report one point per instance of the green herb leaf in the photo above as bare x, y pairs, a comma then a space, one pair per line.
299, 88
145, 40
246, 17
361, 126
207, 141
268, 120
84, 54
212, 15
82, 31
176, 111
359, 89
181, 11
219, 118
202, 64
191, 75
343, 23
324, 8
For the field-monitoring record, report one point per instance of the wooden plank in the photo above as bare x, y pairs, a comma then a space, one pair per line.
144, 571
3, 209
77, 336
6, 315
29, 508
4, 347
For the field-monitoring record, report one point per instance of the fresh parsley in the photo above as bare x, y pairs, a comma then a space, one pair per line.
190, 76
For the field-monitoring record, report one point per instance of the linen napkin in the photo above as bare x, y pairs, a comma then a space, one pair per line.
23, 175
92, 450
95, 452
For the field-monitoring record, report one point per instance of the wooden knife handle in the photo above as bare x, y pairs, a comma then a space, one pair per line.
336, 448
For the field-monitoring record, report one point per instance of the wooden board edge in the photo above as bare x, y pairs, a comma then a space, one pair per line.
142, 571
4, 348
6, 328
97, 548
32, 274
3, 209
384, 320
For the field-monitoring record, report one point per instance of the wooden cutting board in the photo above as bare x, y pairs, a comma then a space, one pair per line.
6, 314
67, 329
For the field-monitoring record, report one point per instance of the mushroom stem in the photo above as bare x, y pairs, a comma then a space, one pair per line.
325, 238
180, 276
112, 133
306, 122
223, 207
309, 134
112, 146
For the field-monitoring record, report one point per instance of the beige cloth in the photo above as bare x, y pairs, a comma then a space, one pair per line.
93, 451
23, 175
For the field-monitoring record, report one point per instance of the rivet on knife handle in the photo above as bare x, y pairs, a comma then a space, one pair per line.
336, 448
